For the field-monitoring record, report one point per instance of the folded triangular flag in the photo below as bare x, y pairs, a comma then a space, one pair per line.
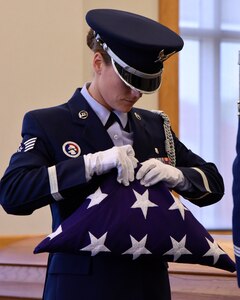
136, 221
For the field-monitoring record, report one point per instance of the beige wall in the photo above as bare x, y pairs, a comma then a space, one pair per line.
43, 58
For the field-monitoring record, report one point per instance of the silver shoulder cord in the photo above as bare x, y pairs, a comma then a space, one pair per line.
169, 142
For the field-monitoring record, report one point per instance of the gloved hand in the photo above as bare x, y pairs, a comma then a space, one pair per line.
153, 171
122, 158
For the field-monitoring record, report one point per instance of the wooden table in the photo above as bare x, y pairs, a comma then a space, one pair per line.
22, 274
197, 282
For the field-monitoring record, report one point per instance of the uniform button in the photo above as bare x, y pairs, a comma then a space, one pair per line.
115, 136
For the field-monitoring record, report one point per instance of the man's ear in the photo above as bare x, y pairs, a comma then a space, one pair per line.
98, 62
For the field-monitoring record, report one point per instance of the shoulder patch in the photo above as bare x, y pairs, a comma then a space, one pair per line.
27, 145
71, 149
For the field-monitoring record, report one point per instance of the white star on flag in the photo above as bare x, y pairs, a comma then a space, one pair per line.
55, 233
178, 248
96, 245
138, 247
143, 202
214, 251
96, 198
178, 205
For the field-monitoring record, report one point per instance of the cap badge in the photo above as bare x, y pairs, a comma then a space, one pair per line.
162, 57
71, 149
83, 114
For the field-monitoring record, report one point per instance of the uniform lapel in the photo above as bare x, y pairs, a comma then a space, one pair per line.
92, 131
142, 141
94, 134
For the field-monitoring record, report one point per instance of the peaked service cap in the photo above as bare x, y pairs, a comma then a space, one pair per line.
137, 45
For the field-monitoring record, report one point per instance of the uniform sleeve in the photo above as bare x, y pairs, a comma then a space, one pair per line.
207, 183
32, 179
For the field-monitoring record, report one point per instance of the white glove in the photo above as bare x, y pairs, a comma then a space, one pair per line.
122, 158
153, 170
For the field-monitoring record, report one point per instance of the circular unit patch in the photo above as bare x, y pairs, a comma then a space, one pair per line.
71, 149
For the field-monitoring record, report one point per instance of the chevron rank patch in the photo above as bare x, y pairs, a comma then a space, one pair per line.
27, 145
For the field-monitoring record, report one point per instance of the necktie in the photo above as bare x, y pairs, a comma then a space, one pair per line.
112, 119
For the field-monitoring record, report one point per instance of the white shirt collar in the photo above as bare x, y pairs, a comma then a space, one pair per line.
101, 111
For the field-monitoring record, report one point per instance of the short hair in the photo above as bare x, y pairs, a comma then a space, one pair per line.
95, 46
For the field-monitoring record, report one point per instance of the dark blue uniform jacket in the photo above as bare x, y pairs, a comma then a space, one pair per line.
28, 184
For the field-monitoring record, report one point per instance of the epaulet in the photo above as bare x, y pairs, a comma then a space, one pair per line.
169, 142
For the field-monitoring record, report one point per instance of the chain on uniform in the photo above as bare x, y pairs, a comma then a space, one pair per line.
169, 142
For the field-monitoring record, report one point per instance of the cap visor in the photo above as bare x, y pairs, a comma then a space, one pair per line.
143, 85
